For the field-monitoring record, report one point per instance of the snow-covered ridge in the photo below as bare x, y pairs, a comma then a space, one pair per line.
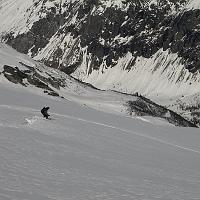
161, 75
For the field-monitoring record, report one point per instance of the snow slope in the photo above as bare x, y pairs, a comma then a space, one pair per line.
87, 154
193, 4
18, 16
14, 14
161, 75
9, 56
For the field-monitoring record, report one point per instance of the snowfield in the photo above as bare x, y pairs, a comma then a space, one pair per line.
87, 154
84, 153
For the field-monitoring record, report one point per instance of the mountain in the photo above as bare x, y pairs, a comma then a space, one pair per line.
19, 70
148, 46
98, 144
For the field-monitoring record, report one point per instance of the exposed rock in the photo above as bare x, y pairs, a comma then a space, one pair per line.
32, 77
144, 107
14, 74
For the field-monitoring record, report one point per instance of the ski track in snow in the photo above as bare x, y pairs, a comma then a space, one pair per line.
131, 132
34, 119
39, 145
85, 154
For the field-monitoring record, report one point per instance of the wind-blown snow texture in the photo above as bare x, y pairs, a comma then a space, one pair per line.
87, 154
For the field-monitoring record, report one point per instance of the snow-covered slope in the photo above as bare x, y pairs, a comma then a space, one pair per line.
88, 154
194, 4
15, 15
161, 75
85, 153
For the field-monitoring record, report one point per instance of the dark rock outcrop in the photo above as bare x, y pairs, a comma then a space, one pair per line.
31, 77
145, 107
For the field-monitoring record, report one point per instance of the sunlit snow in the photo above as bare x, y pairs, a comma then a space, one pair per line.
194, 4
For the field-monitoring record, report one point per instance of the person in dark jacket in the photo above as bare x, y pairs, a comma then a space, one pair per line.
44, 112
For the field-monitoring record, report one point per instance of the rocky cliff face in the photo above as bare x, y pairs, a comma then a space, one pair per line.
146, 46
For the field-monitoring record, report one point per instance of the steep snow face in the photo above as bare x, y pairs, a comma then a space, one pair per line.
161, 75
17, 15
9, 56
193, 4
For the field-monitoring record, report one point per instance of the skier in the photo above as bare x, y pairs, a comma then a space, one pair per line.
44, 112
